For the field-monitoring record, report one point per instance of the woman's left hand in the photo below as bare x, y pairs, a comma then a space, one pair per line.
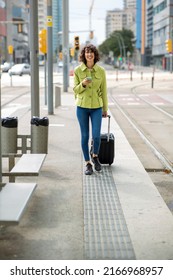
104, 114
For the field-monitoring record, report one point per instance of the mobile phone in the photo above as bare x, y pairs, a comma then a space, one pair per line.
89, 78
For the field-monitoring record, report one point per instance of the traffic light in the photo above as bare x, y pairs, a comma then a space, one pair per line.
10, 49
20, 27
60, 55
72, 52
76, 43
43, 41
91, 34
168, 44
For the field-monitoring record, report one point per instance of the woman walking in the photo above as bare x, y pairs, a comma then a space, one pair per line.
91, 99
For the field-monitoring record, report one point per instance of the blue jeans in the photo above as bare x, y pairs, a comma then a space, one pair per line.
84, 115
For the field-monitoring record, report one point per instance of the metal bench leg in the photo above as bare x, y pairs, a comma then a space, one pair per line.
11, 165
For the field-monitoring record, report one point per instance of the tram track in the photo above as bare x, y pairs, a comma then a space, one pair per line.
11, 101
161, 154
158, 166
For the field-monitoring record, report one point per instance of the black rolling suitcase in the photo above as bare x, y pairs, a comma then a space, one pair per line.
107, 146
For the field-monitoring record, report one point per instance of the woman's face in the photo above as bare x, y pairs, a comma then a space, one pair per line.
89, 55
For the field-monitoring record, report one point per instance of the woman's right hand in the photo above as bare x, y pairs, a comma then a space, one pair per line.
86, 82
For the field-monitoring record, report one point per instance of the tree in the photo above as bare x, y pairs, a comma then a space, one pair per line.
119, 42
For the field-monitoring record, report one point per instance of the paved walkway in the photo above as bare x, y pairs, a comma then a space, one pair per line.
116, 214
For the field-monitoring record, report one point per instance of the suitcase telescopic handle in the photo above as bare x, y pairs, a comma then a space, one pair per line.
109, 120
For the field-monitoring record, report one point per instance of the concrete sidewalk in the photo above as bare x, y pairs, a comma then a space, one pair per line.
116, 214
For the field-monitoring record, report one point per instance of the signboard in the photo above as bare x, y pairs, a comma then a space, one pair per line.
49, 21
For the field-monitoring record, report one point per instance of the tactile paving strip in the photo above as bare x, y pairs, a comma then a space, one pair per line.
105, 231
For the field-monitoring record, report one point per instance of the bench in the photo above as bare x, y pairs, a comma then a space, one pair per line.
13, 200
27, 165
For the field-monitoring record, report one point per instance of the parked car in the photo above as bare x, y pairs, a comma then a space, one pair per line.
60, 64
20, 69
5, 67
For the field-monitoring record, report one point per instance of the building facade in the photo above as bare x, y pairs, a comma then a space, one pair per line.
118, 19
57, 25
162, 30
154, 26
129, 4
13, 12
14, 26
114, 21
42, 13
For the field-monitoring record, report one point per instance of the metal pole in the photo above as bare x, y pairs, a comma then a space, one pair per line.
119, 46
65, 45
119, 43
152, 82
45, 79
0, 127
35, 104
50, 58
171, 63
171, 37
123, 46
59, 34
117, 75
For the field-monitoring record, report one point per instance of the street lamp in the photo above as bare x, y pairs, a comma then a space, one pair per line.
123, 46
119, 43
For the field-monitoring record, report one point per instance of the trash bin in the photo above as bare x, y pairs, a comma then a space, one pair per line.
9, 127
39, 135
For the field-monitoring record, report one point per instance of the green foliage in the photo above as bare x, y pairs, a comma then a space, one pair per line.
119, 42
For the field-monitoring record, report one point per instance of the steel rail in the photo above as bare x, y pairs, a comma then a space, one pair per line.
167, 164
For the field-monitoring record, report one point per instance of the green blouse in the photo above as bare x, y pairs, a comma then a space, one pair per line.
95, 94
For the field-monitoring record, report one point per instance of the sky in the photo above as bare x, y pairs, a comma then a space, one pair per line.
79, 22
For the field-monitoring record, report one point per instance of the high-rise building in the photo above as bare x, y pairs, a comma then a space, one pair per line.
42, 13
57, 21
118, 19
3, 32
16, 25
154, 22
57, 25
129, 4
114, 21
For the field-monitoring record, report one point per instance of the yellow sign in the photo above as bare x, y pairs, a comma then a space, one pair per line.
49, 21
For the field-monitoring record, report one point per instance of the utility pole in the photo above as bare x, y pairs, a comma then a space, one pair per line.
65, 44
171, 37
90, 15
35, 104
50, 58
0, 126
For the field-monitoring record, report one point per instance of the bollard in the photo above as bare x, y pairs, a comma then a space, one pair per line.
141, 75
39, 135
57, 96
152, 82
117, 75
9, 135
131, 75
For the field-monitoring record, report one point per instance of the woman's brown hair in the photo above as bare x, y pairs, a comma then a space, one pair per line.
88, 48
